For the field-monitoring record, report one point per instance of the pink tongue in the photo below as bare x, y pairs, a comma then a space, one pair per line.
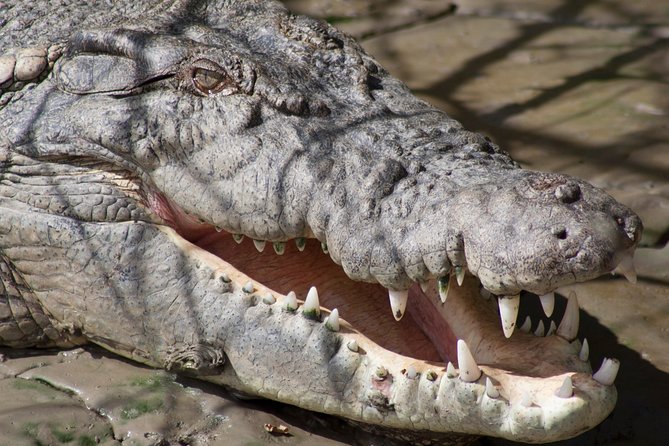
364, 305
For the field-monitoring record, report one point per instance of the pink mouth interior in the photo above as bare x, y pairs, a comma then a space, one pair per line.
421, 334
364, 305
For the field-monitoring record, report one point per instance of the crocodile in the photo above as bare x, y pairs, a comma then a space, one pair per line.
238, 193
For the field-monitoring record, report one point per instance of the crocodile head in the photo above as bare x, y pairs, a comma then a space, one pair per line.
240, 124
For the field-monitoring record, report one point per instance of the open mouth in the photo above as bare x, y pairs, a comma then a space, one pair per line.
446, 331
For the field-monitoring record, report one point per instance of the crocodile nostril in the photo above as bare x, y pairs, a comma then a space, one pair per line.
568, 193
560, 233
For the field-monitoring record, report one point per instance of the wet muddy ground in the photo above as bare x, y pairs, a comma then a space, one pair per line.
580, 87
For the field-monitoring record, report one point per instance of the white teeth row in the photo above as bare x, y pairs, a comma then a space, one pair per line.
626, 268
469, 370
568, 329
279, 247
398, 298
311, 308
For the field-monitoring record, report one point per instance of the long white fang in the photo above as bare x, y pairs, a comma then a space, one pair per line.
585, 351
490, 389
548, 303
459, 274
527, 325
259, 244
332, 322
508, 310
398, 302
311, 305
469, 370
626, 268
540, 329
568, 328
291, 301
607, 373
442, 286
566, 390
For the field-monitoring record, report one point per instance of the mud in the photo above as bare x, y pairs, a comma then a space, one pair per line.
564, 85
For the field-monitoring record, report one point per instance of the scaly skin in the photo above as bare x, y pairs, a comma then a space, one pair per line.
127, 145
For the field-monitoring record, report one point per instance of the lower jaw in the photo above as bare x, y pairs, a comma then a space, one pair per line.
524, 371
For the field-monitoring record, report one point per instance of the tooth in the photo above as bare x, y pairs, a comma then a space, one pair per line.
607, 372
526, 399
269, 299
485, 293
527, 325
332, 322
279, 247
312, 307
324, 247
540, 329
459, 274
423, 287
566, 390
568, 328
218, 228
291, 301
551, 329
259, 244
411, 372
300, 242
442, 285
238, 238
490, 389
508, 310
548, 303
248, 287
353, 346
585, 351
469, 370
450, 370
626, 268
398, 302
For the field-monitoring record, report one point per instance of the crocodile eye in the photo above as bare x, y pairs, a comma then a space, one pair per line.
209, 82
210, 78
